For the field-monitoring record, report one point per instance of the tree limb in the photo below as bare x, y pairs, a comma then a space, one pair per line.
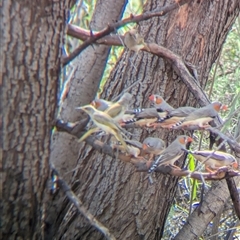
143, 165
112, 27
175, 60
79, 205
212, 203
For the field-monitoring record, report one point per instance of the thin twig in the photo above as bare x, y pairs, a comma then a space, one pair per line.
112, 27
82, 210
233, 144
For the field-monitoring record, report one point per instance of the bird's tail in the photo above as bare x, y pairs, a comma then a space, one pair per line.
134, 111
154, 165
162, 119
177, 125
133, 120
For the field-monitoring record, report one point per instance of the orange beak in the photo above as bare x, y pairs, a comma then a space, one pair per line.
235, 165
144, 146
151, 98
224, 107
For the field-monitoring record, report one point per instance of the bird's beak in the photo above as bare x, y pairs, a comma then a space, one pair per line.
224, 107
235, 165
144, 146
189, 140
151, 98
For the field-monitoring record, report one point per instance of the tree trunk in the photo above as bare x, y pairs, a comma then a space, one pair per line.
31, 56
88, 71
113, 192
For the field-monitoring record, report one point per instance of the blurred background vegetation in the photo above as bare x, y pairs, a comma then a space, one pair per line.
223, 85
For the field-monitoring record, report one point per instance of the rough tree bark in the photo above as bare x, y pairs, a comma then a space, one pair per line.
112, 191
32, 39
88, 70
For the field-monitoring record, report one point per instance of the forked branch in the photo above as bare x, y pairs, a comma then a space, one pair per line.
112, 27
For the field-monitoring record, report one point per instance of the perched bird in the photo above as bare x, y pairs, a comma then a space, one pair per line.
159, 103
201, 116
134, 148
216, 159
181, 112
103, 121
153, 146
172, 153
145, 117
173, 117
117, 109
101, 104
134, 41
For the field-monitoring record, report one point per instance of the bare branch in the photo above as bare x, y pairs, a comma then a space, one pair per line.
82, 34
82, 210
234, 195
212, 203
112, 27
233, 144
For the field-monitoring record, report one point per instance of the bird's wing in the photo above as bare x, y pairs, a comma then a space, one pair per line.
104, 119
134, 143
148, 113
171, 157
201, 113
217, 155
164, 107
171, 153
114, 110
182, 111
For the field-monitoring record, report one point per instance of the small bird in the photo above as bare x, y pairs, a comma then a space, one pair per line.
134, 148
201, 116
181, 112
101, 104
103, 121
134, 41
145, 117
216, 159
160, 104
117, 109
153, 146
173, 117
172, 153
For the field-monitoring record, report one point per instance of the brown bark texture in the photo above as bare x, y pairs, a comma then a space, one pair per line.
88, 69
32, 33
118, 196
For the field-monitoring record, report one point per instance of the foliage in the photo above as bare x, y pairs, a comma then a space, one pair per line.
226, 89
